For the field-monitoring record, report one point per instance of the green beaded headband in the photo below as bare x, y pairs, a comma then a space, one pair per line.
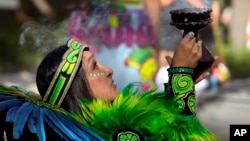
65, 73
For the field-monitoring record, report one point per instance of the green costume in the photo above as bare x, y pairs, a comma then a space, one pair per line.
134, 115
149, 115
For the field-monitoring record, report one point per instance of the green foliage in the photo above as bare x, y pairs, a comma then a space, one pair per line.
237, 59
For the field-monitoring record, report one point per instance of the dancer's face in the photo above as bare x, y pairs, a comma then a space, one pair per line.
99, 78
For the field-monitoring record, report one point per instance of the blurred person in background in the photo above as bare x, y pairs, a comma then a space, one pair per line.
248, 28
225, 18
220, 72
127, 31
137, 24
128, 28
124, 36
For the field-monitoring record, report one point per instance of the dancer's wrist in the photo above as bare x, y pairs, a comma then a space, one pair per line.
180, 70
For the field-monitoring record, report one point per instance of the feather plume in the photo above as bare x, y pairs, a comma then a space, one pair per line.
31, 123
8, 103
23, 114
25, 107
150, 113
40, 125
58, 125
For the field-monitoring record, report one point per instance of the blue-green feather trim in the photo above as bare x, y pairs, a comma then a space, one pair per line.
26, 108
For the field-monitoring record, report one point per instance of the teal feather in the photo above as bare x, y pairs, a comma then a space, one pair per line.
40, 125
5, 97
27, 93
79, 129
57, 125
25, 107
11, 114
80, 132
75, 135
31, 123
8, 103
23, 114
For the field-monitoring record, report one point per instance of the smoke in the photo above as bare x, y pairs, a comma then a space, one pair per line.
43, 37
185, 4
207, 3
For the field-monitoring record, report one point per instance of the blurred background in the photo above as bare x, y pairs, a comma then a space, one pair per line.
30, 28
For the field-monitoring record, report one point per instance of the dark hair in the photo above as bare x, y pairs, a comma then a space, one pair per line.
77, 90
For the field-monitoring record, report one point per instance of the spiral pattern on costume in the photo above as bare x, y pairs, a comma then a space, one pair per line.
182, 83
191, 104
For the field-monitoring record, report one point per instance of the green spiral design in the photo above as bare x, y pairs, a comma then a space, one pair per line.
128, 136
180, 104
182, 84
191, 104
